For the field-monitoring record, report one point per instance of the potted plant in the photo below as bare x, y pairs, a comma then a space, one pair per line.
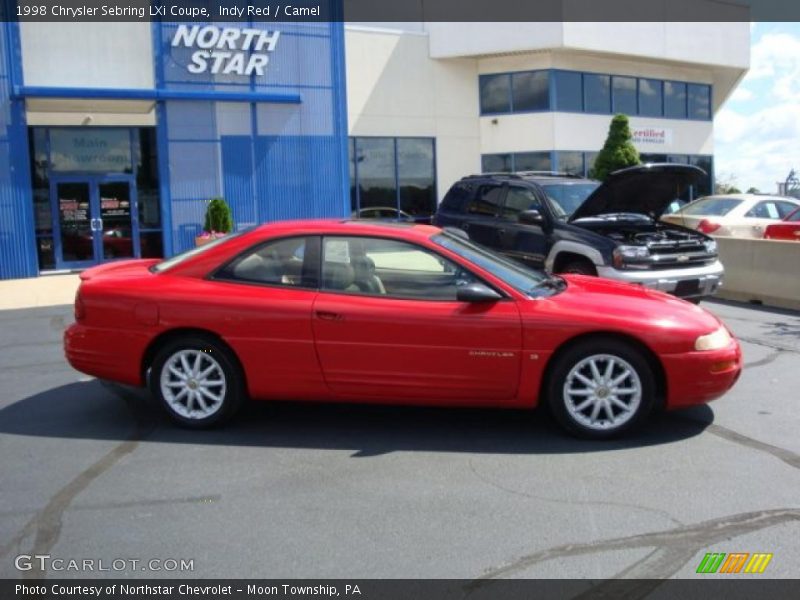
218, 222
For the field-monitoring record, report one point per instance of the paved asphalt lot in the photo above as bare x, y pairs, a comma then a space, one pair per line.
348, 491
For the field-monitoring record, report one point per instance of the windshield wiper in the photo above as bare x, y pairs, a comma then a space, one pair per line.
551, 282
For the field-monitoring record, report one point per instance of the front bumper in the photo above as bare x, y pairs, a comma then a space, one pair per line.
699, 377
708, 277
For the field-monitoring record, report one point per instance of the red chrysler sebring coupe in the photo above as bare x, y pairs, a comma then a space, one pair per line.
391, 313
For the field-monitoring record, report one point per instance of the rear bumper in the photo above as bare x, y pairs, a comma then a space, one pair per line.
709, 278
699, 377
105, 353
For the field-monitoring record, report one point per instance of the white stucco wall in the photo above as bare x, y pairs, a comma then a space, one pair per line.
395, 89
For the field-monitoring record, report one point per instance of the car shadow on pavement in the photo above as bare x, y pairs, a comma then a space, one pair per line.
98, 411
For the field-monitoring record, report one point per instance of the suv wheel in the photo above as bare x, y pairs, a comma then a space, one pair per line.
579, 267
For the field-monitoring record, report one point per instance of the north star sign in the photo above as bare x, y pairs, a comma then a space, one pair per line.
226, 50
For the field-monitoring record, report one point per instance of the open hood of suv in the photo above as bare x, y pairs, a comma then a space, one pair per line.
644, 189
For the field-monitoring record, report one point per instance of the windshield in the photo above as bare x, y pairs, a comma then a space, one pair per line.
565, 198
522, 279
179, 258
712, 206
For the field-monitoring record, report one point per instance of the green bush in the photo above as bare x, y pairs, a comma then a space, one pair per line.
618, 152
219, 218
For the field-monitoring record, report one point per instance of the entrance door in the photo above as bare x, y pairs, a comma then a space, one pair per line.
94, 220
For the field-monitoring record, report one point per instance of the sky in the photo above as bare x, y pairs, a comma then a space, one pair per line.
757, 130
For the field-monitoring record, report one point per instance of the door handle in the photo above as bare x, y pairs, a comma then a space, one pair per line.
329, 316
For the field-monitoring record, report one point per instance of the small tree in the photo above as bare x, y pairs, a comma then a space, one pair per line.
219, 218
726, 184
753, 190
618, 152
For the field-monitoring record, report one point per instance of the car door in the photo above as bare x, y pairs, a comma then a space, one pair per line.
263, 301
480, 218
526, 243
387, 325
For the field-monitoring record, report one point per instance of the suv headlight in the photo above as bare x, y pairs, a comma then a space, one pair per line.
711, 246
625, 255
713, 341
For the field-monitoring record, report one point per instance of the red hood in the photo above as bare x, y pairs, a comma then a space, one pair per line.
594, 304
119, 269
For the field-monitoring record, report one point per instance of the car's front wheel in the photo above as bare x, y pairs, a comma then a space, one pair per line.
197, 381
601, 388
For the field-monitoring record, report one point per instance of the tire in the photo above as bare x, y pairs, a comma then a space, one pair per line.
579, 267
196, 405
604, 414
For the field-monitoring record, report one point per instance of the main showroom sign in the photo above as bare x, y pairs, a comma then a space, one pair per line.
651, 135
226, 50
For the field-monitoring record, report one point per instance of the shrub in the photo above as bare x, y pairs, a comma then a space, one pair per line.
618, 152
219, 218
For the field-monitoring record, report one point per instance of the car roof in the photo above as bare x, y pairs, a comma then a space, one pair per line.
349, 227
752, 197
539, 177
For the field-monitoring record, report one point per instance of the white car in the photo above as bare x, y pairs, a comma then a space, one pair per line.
734, 215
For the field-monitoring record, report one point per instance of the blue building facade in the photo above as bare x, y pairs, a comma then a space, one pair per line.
251, 112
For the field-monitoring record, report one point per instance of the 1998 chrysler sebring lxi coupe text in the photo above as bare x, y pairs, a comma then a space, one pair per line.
391, 313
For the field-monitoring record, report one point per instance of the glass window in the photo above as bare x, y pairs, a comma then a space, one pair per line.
704, 188
151, 244
569, 91
514, 274
675, 100
495, 93
795, 216
565, 198
90, 149
415, 172
597, 93
274, 263
531, 91
533, 161
624, 93
456, 197
714, 206
519, 199
375, 161
147, 181
496, 163
589, 158
383, 267
699, 101
486, 201
653, 158
785, 208
764, 210
650, 98
570, 162
351, 151
165, 265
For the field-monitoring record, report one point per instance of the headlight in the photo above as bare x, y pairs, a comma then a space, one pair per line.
711, 246
713, 341
628, 254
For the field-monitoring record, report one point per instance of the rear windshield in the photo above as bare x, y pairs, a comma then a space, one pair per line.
179, 258
715, 207
565, 198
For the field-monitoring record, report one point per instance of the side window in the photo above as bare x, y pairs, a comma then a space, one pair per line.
275, 263
383, 267
455, 199
785, 208
486, 201
517, 200
764, 210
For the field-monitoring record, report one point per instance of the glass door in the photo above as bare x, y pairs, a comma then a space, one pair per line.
95, 220
75, 219
117, 236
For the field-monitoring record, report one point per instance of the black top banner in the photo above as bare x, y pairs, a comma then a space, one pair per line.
396, 11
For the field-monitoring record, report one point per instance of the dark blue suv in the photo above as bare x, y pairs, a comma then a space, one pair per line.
570, 224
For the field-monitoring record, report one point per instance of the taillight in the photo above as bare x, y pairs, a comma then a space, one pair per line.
80, 308
706, 226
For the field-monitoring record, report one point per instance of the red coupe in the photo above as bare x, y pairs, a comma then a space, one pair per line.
391, 313
787, 229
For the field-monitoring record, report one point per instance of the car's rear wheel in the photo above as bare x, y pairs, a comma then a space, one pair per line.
197, 381
579, 267
601, 388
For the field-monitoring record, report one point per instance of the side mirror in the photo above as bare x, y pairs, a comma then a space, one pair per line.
476, 292
531, 217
